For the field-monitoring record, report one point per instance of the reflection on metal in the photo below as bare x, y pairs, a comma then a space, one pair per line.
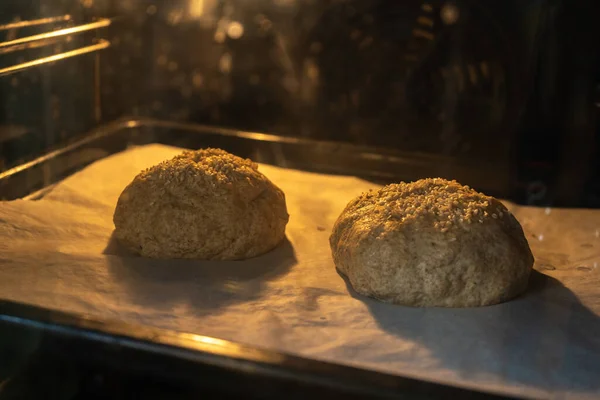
427, 7
32, 45
10, 132
472, 74
425, 21
312, 70
151, 10
220, 37
485, 69
230, 349
316, 47
197, 79
460, 78
35, 22
316, 155
102, 44
366, 42
61, 32
97, 86
225, 63
423, 34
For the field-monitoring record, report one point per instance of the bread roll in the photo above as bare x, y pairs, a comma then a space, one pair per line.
206, 204
432, 242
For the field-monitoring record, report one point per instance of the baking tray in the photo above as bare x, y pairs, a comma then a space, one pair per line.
181, 357
380, 165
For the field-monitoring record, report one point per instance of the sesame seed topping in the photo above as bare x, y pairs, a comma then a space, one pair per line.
443, 203
209, 169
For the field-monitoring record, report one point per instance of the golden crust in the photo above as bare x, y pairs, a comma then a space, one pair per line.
204, 204
431, 242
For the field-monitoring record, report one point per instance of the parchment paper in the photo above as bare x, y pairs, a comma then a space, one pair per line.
57, 252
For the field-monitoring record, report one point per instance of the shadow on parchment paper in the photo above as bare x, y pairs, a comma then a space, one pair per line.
205, 286
523, 340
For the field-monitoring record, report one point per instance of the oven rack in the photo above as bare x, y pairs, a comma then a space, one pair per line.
57, 31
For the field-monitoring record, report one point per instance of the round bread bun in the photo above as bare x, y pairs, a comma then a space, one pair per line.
431, 243
206, 204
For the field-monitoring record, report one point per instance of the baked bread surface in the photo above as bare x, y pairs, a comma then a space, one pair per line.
205, 204
431, 242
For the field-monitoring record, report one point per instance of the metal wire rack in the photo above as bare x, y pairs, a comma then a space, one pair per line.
54, 33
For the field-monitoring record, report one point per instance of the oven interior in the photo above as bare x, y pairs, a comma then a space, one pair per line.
502, 96
481, 85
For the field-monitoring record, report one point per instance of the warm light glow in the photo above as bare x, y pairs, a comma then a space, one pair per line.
225, 63
208, 340
219, 36
312, 70
449, 14
197, 79
196, 8
235, 30
233, 349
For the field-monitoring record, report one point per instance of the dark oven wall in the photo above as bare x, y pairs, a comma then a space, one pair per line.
470, 80
447, 78
444, 78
